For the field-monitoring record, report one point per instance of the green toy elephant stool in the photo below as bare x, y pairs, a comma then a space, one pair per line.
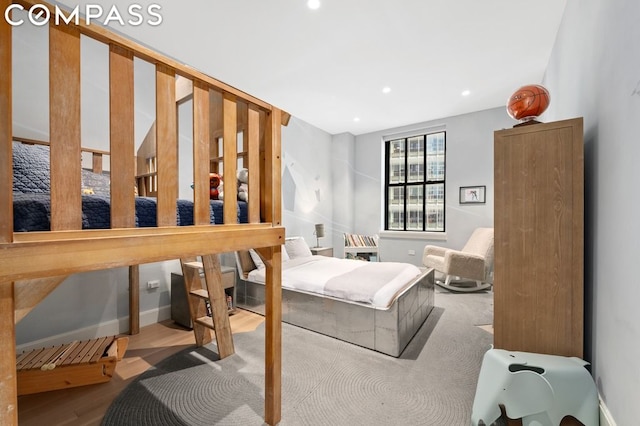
540, 389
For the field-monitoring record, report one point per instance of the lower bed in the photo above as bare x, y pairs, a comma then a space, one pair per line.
385, 323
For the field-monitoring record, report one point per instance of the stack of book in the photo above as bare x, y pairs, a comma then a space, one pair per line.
355, 240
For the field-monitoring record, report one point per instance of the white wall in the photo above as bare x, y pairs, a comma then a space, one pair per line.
96, 304
343, 188
594, 72
306, 181
469, 161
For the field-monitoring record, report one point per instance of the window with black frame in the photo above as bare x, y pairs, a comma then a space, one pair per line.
415, 182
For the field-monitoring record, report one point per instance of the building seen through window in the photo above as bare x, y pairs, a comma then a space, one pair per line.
415, 182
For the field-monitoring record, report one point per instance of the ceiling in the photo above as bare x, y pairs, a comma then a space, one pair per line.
329, 66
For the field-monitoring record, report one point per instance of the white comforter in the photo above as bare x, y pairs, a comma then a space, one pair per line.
376, 283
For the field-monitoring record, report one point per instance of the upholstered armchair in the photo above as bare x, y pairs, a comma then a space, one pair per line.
473, 263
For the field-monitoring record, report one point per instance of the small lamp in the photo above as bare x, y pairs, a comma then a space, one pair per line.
319, 233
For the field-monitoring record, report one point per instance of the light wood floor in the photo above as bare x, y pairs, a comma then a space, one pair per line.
86, 405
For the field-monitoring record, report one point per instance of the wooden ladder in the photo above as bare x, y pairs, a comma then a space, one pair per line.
210, 292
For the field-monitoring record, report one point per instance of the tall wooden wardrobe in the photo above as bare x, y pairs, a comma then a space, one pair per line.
539, 243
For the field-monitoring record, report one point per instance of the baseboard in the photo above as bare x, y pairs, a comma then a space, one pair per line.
109, 328
605, 415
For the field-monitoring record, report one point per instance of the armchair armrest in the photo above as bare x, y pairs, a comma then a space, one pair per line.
465, 265
434, 250
433, 257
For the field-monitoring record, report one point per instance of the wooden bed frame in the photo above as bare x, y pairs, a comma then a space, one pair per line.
387, 330
32, 264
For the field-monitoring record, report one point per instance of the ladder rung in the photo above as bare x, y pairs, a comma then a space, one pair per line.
194, 265
205, 321
202, 293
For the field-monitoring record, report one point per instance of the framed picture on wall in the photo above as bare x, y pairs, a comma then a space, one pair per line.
472, 194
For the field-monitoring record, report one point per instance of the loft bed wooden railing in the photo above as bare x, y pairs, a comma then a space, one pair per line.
97, 155
33, 263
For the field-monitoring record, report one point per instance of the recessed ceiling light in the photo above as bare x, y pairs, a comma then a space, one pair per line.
313, 4
386, 89
356, 119
466, 92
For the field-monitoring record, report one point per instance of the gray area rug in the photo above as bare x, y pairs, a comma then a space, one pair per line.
324, 381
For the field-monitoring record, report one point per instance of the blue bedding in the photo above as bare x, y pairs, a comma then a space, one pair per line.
32, 203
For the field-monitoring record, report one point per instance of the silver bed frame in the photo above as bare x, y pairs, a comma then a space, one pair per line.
387, 330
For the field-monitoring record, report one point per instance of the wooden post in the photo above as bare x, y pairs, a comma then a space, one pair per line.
201, 120
273, 291
6, 146
167, 145
218, 300
64, 124
8, 382
273, 151
122, 147
134, 299
230, 165
96, 162
253, 161
273, 337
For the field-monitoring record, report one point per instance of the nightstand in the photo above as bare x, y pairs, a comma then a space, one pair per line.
179, 304
322, 251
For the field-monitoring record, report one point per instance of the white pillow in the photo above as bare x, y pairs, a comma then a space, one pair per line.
297, 247
257, 260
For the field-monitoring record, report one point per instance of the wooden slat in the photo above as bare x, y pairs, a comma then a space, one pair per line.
253, 163
215, 125
121, 118
27, 361
273, 291
201, 121
134, 299
28, 293
201, 293
197, 310
97, 234
101, 349
218, 300
54, 255
230, 140
273, 336
46, 355
30, 141
22, 356
6, 154
273, 149
146, 151
167, 145
204, 321
96, 163
242, 114
64, 125
93, 347
76, 348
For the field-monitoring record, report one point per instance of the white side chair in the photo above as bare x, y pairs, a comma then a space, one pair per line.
473, 263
